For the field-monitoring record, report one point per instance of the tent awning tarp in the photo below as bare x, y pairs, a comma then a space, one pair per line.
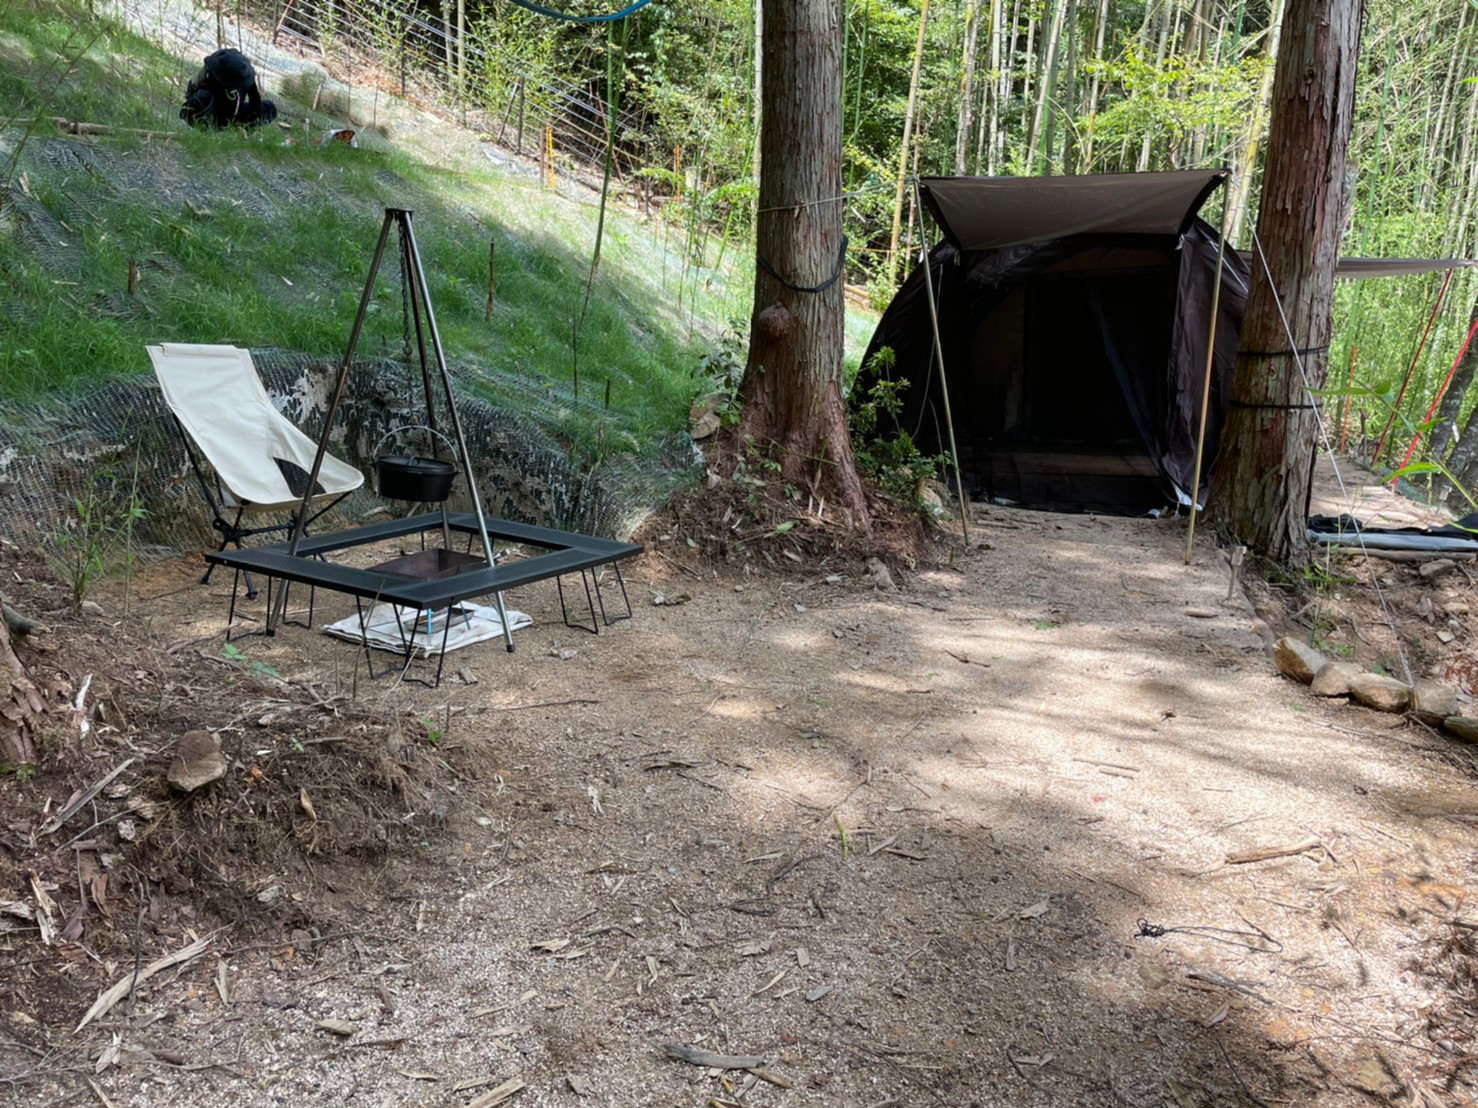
987, 213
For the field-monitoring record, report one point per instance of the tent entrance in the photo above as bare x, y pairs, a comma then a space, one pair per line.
1072, 369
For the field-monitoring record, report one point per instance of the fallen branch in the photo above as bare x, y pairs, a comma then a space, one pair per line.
542, 704
71, 809
1269, 852
124, 985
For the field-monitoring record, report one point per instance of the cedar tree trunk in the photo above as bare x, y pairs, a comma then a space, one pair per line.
1261, 484
21, 704
791, 397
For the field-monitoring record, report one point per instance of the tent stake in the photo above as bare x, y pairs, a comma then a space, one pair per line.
954, 454
1221, 253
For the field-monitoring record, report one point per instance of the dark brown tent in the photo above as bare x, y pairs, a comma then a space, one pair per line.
1073, 318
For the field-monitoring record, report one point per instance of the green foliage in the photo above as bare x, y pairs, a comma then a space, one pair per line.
894, 460
233, 653
1171, 99
97, 537
23, 772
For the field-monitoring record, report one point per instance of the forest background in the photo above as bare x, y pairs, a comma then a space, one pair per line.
993, 87
661, 107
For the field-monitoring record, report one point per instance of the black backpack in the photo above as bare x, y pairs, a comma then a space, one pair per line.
225, 92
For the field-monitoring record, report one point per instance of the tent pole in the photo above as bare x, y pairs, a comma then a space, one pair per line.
1221, 254
954, 454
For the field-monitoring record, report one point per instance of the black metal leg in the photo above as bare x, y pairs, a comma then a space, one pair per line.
600, 599
230, 532
231, 613
594, 627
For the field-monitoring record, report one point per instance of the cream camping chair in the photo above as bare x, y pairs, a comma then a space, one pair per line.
261, 461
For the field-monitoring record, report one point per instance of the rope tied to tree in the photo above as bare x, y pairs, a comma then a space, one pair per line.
1272, 407
1304, 353
841, 266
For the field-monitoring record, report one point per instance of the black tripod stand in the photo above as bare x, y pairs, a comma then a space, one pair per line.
425, 326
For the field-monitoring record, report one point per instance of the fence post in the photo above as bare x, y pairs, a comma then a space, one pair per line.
520, 116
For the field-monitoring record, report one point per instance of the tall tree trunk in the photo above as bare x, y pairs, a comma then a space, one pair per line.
21, 704
1242, 180
1263, 476
1069, 101
759, 73
908, 117
967, 89
1094, 84
1046, 84
792, 390
1167, 19
1005, 45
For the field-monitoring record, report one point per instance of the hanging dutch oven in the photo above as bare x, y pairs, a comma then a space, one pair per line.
412, 477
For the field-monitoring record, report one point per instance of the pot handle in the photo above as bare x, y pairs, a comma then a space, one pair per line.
415, 427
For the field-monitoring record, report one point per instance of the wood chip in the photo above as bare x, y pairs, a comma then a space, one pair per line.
1037, 909
770, 984
802, 957
817, 993
884, 845
1217, 1016
580, 1086
695, 1057
338, 1027
498, 1095
754, 949
911, 855
773, 1078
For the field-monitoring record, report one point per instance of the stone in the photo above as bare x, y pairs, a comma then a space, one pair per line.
1455, 608
197, 761
1432, 702
881, 578
1462, 727
1436, 568
1297, 659
706, 415
1444, 636
1333, 679
1384, 694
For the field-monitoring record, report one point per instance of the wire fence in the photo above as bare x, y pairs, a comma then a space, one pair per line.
466, 79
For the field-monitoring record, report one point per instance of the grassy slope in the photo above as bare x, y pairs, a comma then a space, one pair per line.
265, 239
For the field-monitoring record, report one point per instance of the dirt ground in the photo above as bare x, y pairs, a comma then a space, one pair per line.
885, 846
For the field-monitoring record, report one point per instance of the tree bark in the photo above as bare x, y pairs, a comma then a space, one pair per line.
1263, 475
791, 395
908, 128
21, 704
967, 86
